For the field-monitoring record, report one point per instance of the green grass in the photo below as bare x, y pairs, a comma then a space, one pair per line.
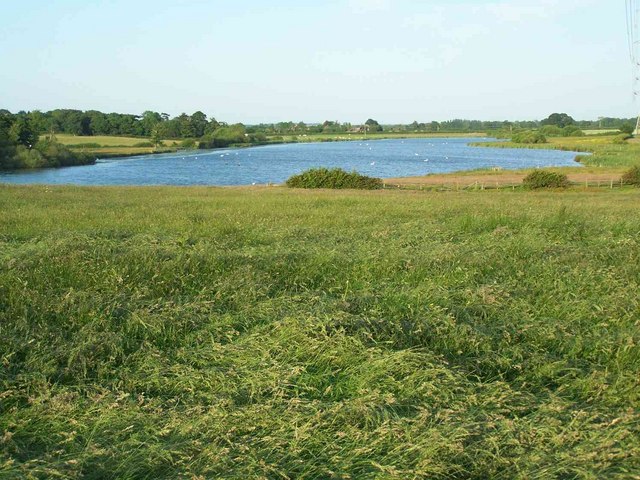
166, 333
102, 140
604, 151
114, 146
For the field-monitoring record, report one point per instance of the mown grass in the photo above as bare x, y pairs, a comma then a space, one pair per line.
268, 333
115, 146
604, 150
102, 140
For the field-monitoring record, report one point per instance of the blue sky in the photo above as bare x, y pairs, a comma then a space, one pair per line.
347, 60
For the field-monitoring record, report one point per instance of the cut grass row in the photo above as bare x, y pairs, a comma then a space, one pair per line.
269, 333
115, 146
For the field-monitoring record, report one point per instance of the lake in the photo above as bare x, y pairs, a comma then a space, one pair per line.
276, 163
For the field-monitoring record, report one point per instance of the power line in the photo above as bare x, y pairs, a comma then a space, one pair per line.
633, 39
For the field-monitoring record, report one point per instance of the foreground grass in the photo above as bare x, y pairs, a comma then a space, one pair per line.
266, 333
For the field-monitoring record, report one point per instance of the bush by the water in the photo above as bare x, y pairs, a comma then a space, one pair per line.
46, 153
545, 179
632, 177
528, 137
333, 178
555, 131
621, 139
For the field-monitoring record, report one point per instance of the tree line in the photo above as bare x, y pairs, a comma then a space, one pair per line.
198, 125
93, 122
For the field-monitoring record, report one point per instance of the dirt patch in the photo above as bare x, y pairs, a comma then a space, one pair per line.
494, 179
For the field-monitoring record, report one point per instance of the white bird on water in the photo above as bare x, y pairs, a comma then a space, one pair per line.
372, 163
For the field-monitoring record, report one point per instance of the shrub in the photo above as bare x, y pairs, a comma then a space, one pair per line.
188, 143
59, 155
551, 131
503, 133
620, 139
545, 179
632, 177
333, 178
143, 144
572, 131
627, 128
529, 137
29, 158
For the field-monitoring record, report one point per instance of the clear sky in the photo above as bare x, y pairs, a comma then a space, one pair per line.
347, 60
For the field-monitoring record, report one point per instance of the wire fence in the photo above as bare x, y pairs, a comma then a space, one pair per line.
611, 183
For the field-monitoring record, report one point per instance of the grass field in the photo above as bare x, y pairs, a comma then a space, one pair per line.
102, 140
113, 145
602, 131
193, 333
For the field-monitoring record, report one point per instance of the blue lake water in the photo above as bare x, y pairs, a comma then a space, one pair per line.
276, 163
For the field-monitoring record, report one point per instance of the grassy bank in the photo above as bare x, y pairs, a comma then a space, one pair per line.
268, 333
604, 150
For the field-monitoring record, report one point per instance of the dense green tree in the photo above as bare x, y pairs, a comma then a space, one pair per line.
185, 127
7, 146
38, 121
373, 126
198, 122
98, 122
22, 132
559, 120
149, 121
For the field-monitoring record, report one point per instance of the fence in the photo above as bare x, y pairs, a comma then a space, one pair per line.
610, 183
